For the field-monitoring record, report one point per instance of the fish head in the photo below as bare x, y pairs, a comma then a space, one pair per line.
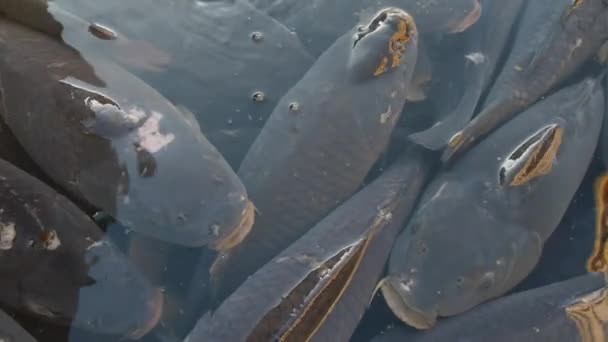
386, 44
453, 256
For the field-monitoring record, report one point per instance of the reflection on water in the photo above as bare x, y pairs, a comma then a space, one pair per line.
257, 170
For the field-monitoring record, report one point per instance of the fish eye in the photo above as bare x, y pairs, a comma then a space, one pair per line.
486, 281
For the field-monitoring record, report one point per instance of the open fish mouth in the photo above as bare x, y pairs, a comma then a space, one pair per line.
239, 232
393, 16
396, 299
469, 20
156, 305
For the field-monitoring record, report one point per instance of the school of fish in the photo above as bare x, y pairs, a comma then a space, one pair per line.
287, 170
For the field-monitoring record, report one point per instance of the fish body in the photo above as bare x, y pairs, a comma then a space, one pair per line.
56, 264
553, 40
110, 140
485, 43
481, 225
318, 288
570, 310
322, 139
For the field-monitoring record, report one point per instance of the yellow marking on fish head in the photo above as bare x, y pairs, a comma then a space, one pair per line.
598, 261
590, 314
541, 160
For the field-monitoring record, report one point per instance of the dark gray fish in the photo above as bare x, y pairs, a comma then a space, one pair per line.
11, 331
319, 287
485, 44
571, 310
553, 40
57, 266
223, 60
319, 23
322, 139
481, 225
112, 141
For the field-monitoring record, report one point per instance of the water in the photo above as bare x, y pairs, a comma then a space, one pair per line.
257, 160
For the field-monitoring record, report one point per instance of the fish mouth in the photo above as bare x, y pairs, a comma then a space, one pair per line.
469, 20
396, 300
156, 305
388, 15
240, 231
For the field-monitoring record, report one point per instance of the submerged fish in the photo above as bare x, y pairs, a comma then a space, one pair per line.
318, 288
570, 310
322, 139
57, 266
11, 331
112, 141
480, 227
484, 44
225, 61
319, 23
553, 40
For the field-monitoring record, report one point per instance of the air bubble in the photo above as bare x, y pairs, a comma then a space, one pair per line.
294, 106
257, 36
258, 97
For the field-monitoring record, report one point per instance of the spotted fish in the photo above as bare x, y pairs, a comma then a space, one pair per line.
112, 141
481, 225
322, 139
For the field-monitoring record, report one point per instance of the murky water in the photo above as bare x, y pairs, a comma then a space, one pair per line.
254, 170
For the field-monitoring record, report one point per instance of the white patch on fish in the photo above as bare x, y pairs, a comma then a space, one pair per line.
95, 244
7, 235
476, 57
52, 242
38, 309
149, 135
407, 287
386, 116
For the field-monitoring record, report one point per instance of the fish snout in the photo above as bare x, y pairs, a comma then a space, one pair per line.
398, 293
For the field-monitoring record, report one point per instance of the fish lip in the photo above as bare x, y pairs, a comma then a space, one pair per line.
469, 20
402, 308
156, 305
239, 233
376, 21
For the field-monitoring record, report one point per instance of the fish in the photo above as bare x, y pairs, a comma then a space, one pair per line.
552, 41
485, 43
319, 287
219, 59
57, 265
322, 139
11, 331
575, 309
110, 140
480, 226
318, 24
